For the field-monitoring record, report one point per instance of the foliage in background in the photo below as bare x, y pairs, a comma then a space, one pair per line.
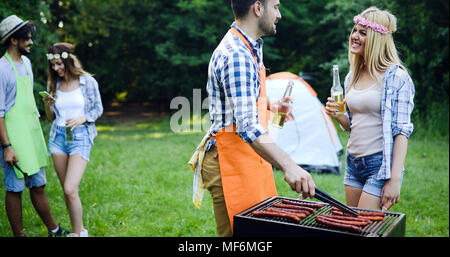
35, 11
313, 35
154, 50
144, 50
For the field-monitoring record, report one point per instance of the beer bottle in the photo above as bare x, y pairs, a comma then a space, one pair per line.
337, 92
280, 117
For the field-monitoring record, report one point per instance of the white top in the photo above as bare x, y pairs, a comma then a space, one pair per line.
366, 134
70, 105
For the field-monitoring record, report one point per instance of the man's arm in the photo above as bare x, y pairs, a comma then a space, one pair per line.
299, 179
8, 153
3, 136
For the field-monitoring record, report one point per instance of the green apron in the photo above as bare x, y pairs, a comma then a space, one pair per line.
23, 127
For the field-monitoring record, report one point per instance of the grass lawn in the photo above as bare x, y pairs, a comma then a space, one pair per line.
138, 184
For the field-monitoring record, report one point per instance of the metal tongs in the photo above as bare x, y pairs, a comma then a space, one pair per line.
324, 197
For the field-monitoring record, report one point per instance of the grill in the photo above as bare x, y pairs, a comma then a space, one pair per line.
248, 225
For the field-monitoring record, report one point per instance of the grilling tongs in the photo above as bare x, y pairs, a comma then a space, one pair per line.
25, 175
324, 197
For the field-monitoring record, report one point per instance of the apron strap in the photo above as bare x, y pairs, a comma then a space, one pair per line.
261, 76
238, 34
8, 57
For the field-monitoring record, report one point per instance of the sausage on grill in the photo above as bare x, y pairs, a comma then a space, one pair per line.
292, 210
372, 218
340, 217
348, 222
311, 205
372, 213
288, 206
299, 213
366, 213
338, 213
323, 221
277, 214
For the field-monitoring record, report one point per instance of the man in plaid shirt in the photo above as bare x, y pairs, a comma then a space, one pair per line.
239, 137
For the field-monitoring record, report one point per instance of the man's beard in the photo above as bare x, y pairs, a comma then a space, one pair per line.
22, 50
266, 26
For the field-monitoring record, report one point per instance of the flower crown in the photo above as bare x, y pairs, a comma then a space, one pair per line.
373, 25
63, 55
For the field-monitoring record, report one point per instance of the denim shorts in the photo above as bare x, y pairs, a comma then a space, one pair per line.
14, 184
79, 145
362, 173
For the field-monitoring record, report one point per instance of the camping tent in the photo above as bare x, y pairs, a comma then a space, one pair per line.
310, 139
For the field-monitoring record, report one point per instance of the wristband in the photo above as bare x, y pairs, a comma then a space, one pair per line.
4, 146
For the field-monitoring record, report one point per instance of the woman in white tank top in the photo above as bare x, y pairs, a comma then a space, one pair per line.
74, 107
379, 97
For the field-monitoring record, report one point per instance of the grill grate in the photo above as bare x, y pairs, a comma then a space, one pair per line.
375, 229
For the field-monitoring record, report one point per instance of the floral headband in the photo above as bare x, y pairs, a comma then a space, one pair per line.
374, 26
63, 55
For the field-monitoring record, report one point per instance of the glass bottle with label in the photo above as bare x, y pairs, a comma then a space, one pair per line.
279, 117
337, 92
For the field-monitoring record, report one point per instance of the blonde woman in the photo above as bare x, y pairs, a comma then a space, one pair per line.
379, 99
74, 105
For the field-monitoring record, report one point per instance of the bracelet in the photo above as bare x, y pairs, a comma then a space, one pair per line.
4, 146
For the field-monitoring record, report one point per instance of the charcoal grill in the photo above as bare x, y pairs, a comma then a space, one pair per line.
248, 225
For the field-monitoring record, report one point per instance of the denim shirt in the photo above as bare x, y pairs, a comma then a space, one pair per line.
93, 107
397, 104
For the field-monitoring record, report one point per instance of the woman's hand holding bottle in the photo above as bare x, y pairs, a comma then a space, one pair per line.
75, 122
331, 107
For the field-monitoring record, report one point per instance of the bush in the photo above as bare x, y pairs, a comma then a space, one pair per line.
434, 123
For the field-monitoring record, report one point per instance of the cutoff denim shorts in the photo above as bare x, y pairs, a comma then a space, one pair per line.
14, 184
362, 173
80, 145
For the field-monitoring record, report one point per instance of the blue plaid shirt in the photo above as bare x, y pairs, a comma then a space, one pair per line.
93, 107
397, 104
233, 86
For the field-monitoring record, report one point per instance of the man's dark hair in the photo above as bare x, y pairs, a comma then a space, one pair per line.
241, 7
22, 33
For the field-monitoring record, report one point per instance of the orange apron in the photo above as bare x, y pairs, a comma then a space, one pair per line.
247, 178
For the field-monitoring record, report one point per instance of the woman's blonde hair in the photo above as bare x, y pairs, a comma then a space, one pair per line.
73, 67
380, 52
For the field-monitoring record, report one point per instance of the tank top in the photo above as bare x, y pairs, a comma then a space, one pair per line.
366, 130
70, 105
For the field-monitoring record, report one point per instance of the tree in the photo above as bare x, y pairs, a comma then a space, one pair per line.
36, 12
155, 50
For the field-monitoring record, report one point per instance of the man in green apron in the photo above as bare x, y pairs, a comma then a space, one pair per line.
22, 142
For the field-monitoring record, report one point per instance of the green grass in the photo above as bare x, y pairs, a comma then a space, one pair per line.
138, 183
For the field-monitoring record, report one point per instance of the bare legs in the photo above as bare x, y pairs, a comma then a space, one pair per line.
40, 203
13, 205
357, 198
70, 171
